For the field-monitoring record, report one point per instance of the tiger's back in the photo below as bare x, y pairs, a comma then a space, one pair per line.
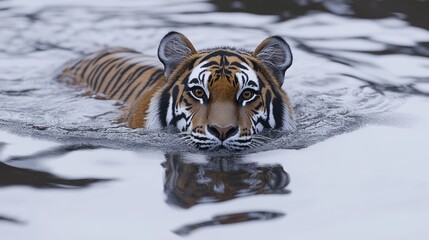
116, 73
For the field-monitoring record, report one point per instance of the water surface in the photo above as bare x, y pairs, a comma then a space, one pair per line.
353, 169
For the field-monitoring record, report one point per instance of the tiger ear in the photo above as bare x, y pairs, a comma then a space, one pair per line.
173, 49
275, 53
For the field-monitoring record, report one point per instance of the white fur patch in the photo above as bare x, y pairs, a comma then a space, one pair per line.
271, 120
247, 78
202, 75
152, 118
182, 123
259, 127
169, 116
289, 124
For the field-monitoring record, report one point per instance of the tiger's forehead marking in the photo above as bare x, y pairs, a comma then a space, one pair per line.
200, 76
224, 53
229, 65
247, 78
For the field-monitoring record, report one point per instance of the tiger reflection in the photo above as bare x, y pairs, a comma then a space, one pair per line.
215, 179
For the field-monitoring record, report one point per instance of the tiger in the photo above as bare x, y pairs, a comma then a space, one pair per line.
218, 178
221, 97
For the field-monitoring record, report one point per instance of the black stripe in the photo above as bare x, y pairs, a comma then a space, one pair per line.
278, 114
223, 53
76, 63
162, 108
131, 80
255, 65
185, 80
191, 64
95, 77
95, 70
209, 64
117, 72
129, 59
174, 94
277, 100
113, 65
200, 138
258, 106
194, 81
154, 76
177, 118
132, 91
97, 88
93, 61
116, 89
236, 145
81, 64
252, 83
268, 99
243, 140
137, 73
239, 65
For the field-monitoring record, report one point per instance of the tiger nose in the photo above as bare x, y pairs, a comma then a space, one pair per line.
222, 132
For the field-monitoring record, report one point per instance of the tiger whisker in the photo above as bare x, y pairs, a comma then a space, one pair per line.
183, 134
261, 137
188, 140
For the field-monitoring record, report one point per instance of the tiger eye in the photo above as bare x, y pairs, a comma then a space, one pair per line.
198, 92
247, 94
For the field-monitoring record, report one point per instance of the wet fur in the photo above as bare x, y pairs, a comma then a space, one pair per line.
158, 97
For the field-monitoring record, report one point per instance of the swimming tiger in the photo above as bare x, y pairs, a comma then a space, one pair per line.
219, 97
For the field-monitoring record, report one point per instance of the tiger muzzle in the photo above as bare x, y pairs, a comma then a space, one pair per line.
222, 132
223, 120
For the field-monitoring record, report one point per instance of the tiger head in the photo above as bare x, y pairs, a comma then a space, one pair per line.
222, 97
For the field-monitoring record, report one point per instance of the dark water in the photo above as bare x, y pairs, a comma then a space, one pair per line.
228, 219
355, 62
414, 11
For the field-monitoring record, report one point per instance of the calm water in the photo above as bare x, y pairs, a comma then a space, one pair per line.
359, 83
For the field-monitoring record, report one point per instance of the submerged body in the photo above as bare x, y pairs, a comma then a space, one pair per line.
218, 97
120, 74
